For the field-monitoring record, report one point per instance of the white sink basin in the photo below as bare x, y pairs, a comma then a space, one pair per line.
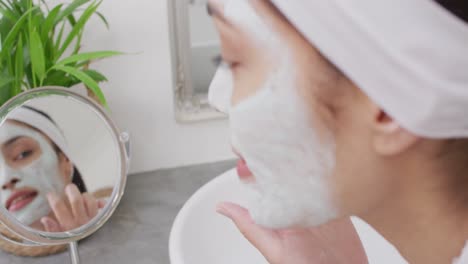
201, 236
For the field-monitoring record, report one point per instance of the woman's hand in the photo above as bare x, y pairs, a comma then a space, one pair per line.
333, 243
71, 211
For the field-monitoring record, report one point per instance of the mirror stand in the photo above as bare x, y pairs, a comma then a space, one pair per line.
72, 248
74, 254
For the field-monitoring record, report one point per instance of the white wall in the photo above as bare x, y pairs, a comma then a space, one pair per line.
140, 88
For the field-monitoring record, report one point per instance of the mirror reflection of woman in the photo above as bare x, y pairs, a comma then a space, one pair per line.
40, 185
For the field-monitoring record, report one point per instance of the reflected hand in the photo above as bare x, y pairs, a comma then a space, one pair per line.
71, 211
333, 243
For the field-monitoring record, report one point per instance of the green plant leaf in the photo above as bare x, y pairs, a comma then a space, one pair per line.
28, 70
77, 29
71, 19
10, 15
78, 43
87, 56
70, 9
12, 35
10, 65
19, 66
6, 5
103, 19
5, 88
38, 19
48, 33
59, 78
96, 76
58, 42
1, 51
21, 5
36, 51
4, 94
45, 4
49, 23
4, 80
86, 79
81, 64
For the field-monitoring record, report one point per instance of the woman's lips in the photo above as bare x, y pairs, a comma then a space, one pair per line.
243, 171
20, 199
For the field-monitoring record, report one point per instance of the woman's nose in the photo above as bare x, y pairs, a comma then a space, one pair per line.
220, 91
11, 184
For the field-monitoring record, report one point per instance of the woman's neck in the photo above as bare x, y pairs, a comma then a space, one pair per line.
423, 225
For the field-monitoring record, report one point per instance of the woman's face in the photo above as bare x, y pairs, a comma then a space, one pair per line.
338, 147
30, 169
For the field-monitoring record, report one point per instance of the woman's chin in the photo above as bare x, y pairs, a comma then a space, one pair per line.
243, 171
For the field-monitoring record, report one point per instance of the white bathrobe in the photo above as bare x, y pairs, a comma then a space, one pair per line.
380, 251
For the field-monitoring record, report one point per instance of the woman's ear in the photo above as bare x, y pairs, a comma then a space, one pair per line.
66, 167
389, 137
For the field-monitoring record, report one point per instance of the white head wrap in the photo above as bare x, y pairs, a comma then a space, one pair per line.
409, 56
28, 116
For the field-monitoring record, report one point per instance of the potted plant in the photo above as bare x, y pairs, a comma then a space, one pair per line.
40, 46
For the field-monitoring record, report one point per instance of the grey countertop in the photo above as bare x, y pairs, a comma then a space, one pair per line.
138, 232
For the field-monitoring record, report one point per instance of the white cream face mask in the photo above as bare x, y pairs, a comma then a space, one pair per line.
276, 137
220, 91
43, 175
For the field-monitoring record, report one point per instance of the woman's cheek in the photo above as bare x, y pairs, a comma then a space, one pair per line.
248, 80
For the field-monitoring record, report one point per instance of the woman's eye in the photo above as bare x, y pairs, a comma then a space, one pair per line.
24, 155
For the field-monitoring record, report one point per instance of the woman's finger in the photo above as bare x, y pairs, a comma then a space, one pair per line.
263, 239
77, 205
101, 204
91, 205
61, 211
50, 225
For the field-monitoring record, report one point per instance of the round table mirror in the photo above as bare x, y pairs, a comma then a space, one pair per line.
63, 167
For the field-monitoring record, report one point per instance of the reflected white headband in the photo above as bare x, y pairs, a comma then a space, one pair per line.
409, 56
43, 124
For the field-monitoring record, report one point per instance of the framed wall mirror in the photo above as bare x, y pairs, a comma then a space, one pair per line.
195, 45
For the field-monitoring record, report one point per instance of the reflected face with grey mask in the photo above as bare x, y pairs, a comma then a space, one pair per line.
31, 166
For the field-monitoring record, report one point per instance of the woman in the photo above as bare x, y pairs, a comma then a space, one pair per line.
40, 185
342, 108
